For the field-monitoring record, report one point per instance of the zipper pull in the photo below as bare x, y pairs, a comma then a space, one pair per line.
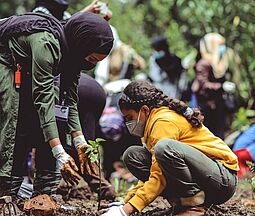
18, 77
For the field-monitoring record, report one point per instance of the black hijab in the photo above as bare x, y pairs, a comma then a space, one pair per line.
87, 33
30, 23
56, 7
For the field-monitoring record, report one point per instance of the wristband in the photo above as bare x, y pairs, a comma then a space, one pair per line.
57, 150
79, 141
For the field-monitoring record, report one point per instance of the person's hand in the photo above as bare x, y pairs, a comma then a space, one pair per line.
108, 15
66, 165
116, 211
93, 7
81, 147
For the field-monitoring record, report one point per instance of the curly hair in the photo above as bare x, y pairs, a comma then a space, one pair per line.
140, 92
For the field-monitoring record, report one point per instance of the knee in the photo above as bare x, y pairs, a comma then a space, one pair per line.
130, 154
166, 147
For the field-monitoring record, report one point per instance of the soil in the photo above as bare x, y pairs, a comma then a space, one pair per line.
80, 201
242, 203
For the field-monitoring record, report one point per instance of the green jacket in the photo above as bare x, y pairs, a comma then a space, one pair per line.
44, 53
41, 53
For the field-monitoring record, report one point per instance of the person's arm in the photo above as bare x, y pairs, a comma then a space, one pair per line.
69, 81
156, 183
133, 191
154, 70
43, 93
93, 7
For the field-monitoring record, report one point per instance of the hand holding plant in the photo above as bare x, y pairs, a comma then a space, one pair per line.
88, 159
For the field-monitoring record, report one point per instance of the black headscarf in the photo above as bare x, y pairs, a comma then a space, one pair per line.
87, 33
30, 23
160, 43
56, 7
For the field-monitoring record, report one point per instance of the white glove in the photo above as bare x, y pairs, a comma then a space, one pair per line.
66, 164
115, 211
60, 154
120, 203
79, 141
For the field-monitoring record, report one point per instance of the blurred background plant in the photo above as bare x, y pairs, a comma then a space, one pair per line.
183, 22
243, 118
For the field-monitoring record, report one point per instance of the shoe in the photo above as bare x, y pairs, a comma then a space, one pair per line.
19, 202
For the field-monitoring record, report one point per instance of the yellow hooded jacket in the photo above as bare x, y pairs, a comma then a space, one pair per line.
165, 123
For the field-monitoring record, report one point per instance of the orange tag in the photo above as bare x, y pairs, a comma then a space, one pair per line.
18, 76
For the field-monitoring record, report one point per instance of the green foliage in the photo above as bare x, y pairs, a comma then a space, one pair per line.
243, 118
93, 151
183, 22
121, 187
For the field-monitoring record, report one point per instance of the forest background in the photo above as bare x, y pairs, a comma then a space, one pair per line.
183, 23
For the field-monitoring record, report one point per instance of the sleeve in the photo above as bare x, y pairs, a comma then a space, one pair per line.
69, 93
203, 80
152, 188
133, 191
45, 52
154, 72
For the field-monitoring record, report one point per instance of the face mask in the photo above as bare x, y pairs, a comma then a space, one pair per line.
159, 54
136, 127
222, 49
88, 65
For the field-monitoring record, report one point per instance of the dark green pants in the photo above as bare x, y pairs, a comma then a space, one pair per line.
186, 169
9, 101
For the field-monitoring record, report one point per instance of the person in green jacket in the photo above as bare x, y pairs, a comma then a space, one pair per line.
39, 47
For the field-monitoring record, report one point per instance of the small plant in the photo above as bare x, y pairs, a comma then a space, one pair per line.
95, 157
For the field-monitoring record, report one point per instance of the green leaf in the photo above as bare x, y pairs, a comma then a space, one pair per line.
93, 158
91, 142
88, 150
99, 140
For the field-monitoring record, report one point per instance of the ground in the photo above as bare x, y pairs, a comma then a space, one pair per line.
242, 203
83, 202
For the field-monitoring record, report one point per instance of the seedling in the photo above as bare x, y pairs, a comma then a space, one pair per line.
95, 157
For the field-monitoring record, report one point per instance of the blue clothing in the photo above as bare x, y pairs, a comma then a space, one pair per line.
246, 141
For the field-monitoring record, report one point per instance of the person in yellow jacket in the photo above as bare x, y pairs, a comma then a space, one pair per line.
181, 159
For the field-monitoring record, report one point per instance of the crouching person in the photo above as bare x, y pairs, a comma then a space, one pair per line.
181, 159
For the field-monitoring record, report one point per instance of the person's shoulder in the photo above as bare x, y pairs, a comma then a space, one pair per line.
164, 113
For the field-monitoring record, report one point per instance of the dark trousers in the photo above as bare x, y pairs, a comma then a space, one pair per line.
186, 169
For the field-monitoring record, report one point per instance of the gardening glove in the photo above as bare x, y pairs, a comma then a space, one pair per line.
81, 147
116, 211
66, 165
109, 205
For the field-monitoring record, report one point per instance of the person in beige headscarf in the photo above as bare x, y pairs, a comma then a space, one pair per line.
225, 65
213, 48
121, 62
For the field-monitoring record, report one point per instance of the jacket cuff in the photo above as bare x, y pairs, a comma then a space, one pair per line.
138, 203
50, 131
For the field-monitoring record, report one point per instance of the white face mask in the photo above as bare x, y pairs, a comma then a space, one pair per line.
160, 54
136, 127
222, 49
